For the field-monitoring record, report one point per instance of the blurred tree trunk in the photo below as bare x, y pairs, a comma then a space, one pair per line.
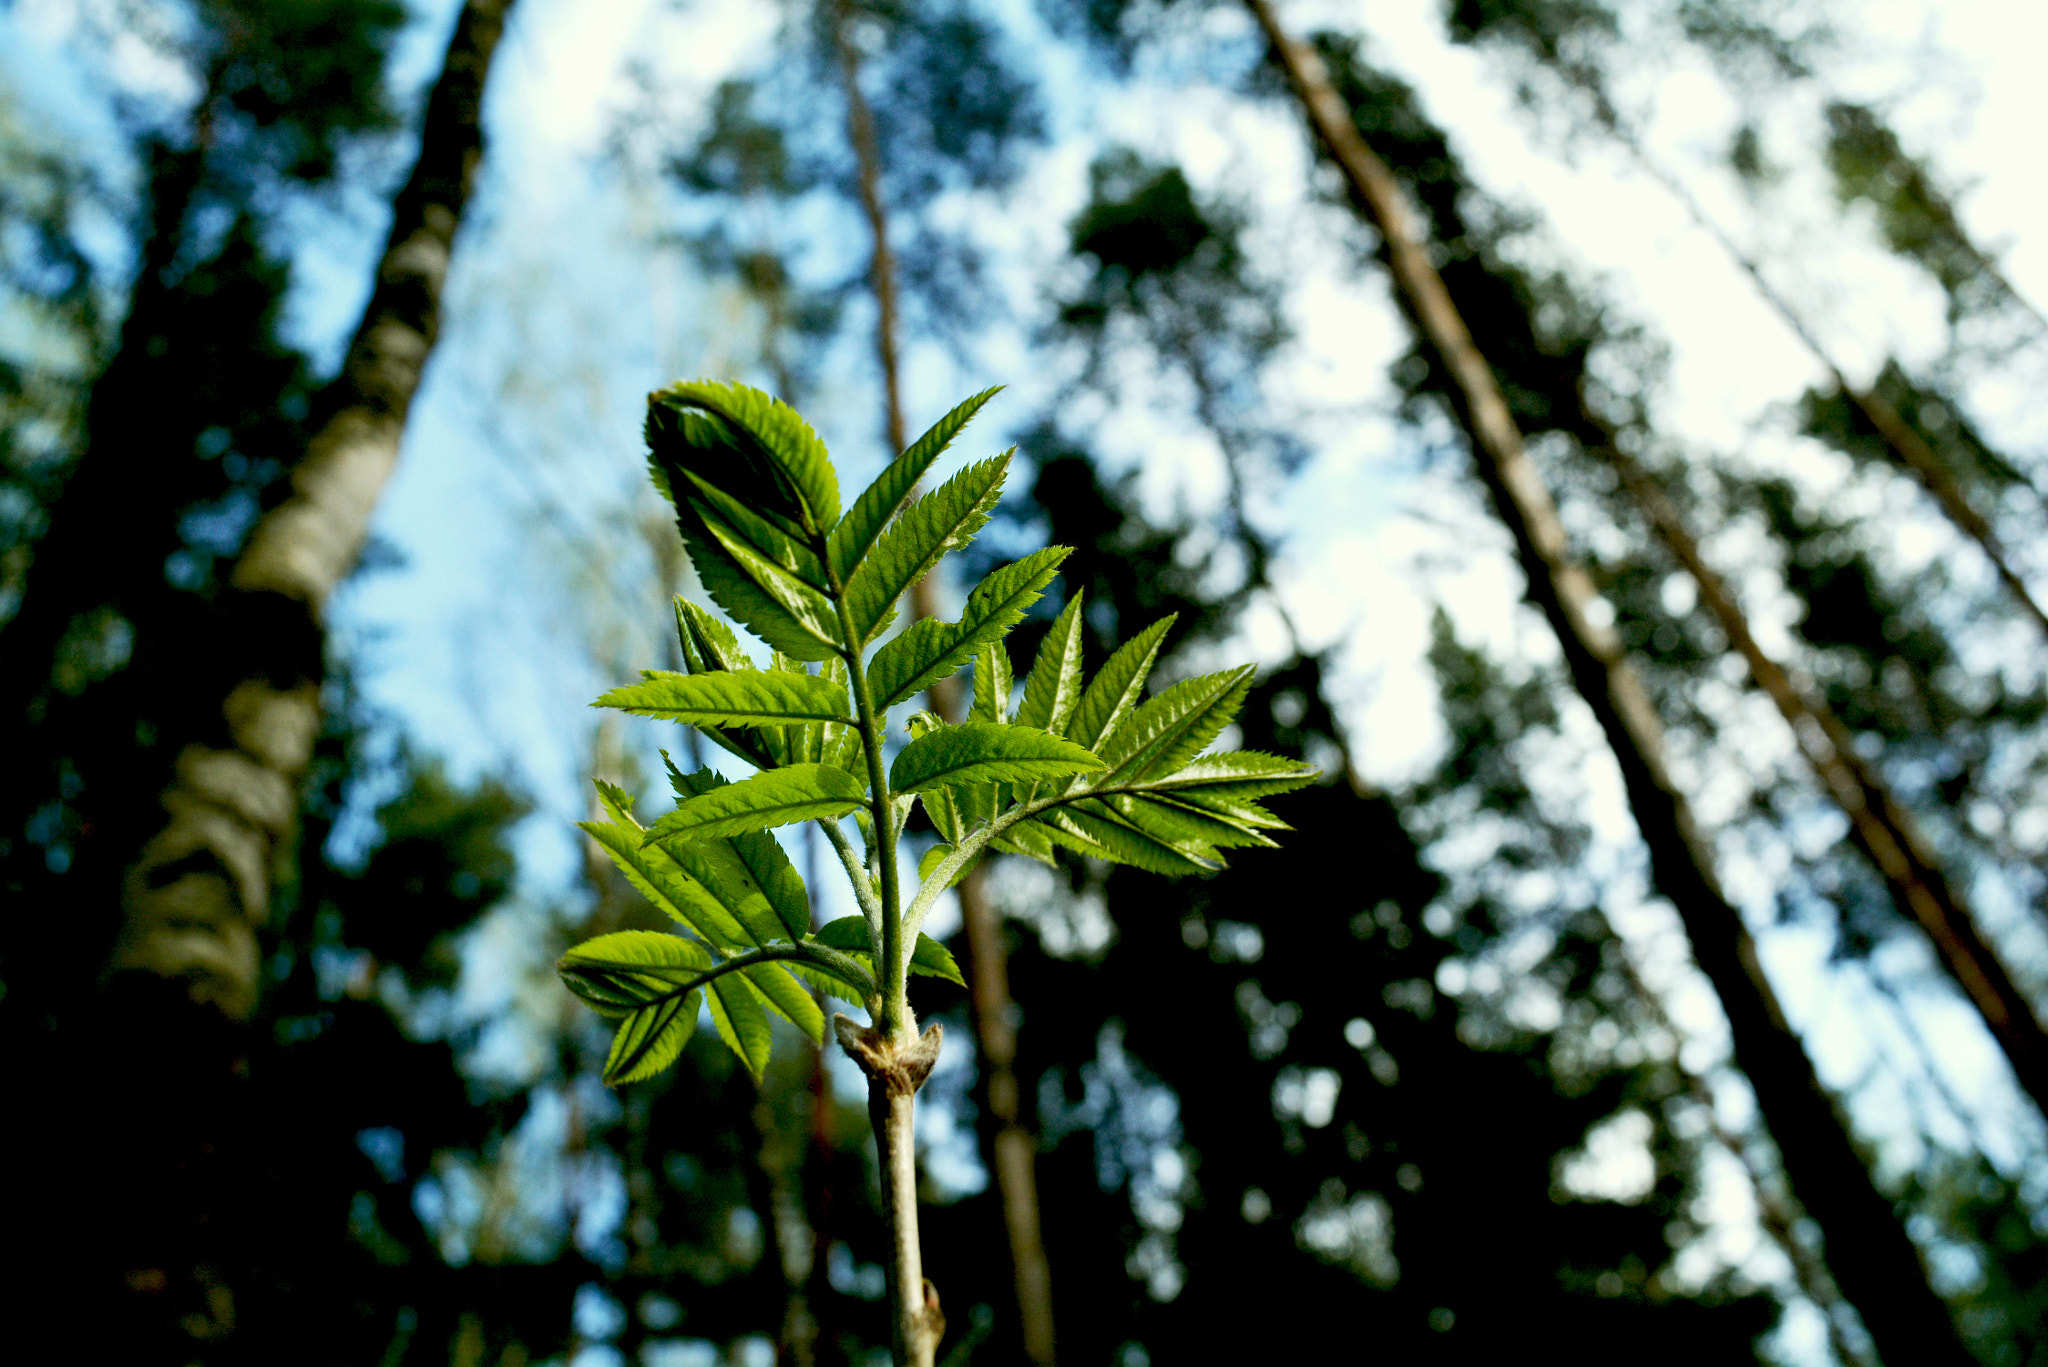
1909, 450
1873, 1260
1010, 1150
1882, 827
199, 887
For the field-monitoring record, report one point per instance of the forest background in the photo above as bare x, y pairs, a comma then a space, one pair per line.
1441, 1078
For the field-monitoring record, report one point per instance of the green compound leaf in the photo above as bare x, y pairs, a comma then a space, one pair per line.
1054, 688
767, 863
986, 752
1188, 827
993, 684
1174, 727
787, 998
742, 1020
742, 525
747, 601
931, 650
1117, 690
642, 979
706, 463
850, 935
775, 797
650, 1039
786, 470
708, 643
709, 646
670, 886
629, 969
852, 538
944, 520
1239, 776
733, 698
1103, 835
806, 624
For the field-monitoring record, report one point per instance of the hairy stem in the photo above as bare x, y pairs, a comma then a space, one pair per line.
891, 964
856, 874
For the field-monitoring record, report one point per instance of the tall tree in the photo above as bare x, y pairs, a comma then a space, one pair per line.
217, 682
1553, 36
1276, 1119
198, 888
1868, 1249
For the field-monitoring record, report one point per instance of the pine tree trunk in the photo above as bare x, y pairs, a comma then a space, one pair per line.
1009, 1148
1908, 448
1873, 1260
200, 887
1882, 827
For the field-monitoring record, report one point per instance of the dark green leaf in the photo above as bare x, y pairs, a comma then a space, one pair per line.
871, 511
746, 601
986, 752
786, 470
850, 935
663, 881
807, 624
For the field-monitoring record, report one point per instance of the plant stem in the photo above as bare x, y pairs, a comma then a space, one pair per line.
894, 1056
856, 874
896, 1067
891, 964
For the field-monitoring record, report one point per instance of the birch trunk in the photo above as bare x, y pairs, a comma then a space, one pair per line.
196, 894
1872, 1259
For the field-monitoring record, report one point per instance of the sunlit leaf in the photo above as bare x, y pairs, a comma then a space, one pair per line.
864, 521
774, 797
742, 1020
1116, 691
1171, 729
660, 879
943, 520
1053, 689
931, 650
732, 698
986, 752
787, 998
